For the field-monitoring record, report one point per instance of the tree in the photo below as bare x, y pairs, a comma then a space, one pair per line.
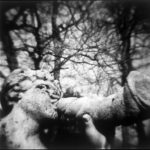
32, 20
129, 19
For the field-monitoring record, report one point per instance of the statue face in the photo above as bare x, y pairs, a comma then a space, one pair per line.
40, 100
35, 90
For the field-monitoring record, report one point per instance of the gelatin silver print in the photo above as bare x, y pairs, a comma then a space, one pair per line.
74, 74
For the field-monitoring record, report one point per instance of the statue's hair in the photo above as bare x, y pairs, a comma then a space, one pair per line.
21, 80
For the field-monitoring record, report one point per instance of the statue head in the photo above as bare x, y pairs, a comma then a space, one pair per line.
34, 90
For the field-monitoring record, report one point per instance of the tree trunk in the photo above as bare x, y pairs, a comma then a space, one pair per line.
126, 68
58, 51
57, 63
141, 134
9, 50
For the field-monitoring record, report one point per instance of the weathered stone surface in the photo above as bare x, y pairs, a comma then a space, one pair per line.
129, 105
99, 108
139, 87
20, 81
31, 97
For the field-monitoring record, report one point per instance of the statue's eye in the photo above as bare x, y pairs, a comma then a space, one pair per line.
42, 86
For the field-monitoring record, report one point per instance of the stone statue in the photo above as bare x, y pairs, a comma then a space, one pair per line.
28, 98
129, 105
31, 97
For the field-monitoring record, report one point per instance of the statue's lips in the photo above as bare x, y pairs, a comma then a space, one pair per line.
53, 101
54, 98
